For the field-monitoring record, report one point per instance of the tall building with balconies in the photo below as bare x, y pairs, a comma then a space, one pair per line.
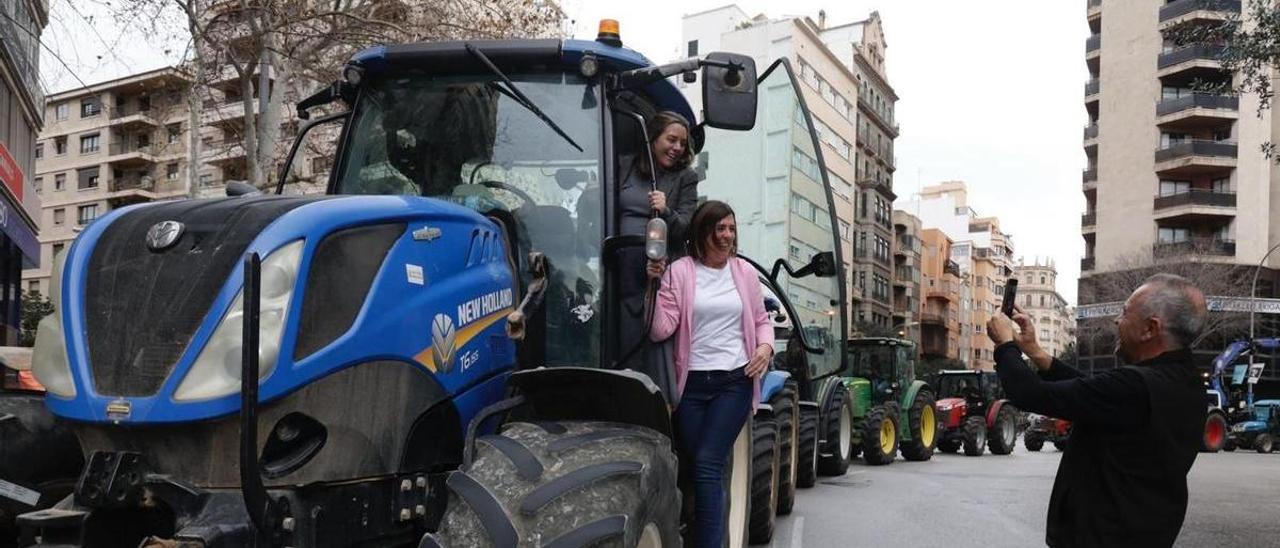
1038, 297
907, 247
106, 146
1175, 170
22, 102
842, 75
942, 286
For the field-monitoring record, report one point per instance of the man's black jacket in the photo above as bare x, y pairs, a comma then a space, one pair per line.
1135, 432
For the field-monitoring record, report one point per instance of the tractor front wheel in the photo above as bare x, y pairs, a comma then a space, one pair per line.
1004, 436
1263, 443
786, 411
764, 475
566, 484
922, 422
1229, 446
837, 435
879, 437
1215, 433
1033, 442
807, 454
975, 436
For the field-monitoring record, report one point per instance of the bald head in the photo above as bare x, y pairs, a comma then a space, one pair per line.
1178, 304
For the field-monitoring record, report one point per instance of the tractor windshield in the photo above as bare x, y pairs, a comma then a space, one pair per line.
874, 361
1262, 412
467, 139
958, 386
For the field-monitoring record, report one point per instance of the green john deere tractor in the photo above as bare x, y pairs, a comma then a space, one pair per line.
892, 410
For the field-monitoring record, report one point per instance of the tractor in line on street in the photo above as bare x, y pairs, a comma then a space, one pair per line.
973, 413
1042, 429
1232, 404
433, 352
892, 410
1260, 431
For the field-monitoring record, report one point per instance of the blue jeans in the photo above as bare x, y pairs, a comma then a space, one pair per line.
712, 410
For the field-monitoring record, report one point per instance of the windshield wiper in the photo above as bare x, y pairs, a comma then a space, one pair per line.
519, 96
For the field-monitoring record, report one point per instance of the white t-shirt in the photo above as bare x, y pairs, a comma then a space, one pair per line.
717, 321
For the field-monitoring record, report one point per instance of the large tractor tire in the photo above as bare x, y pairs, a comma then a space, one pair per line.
837, 434
1215, 433
1033, 442
807, 451
948, 445
564, 484
879, 436
786, 410
1004, 434
975, 436
1229, 446
922, 423
764, 479
1263, 443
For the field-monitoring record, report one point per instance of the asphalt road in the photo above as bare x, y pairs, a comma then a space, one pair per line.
994, 501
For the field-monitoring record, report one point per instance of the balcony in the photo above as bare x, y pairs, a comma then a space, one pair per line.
19, 44
1186, 159
941, 290
1094, 10
933, 318
1207, 247
1189, 63
1090, 133
1086, 264
1182, 11
128, 153
132, 118
1091, 90
952, 268
1092, 44
1198, 111
1196, 205
1089, 219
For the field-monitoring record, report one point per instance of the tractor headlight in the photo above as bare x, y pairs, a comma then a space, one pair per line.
49, 361
216, 372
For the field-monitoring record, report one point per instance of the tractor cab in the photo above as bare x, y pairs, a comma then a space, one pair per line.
976, 388
887, 364
974, 413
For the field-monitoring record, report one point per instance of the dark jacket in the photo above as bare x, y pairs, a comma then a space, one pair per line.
1136, 431
681, 188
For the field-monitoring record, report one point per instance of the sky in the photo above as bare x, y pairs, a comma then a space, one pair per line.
990, 93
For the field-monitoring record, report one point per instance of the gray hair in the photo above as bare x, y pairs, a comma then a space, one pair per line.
1179, 304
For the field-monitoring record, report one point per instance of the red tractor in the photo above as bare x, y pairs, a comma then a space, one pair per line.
1041, 429
973, 414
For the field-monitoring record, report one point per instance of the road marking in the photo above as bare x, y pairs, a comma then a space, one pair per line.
797, 532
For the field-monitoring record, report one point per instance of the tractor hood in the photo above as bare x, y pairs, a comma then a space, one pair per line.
1249, 426
151, 307
946, 404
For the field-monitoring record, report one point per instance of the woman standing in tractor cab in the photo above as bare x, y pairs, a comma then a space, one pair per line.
711, 302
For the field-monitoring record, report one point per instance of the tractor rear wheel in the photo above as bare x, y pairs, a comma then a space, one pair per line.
1263, 443
833, 459
1215, 433
1004, 436
764, 479
1033, 442
786, 412
807, 450
975, 435
879, 436
948, 445
564, 484
922, 423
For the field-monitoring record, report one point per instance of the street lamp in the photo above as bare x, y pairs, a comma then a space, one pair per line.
904, 325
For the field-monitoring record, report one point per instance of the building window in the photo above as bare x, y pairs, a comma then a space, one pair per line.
206, 179
86, 214
89, 144
1168, 235
90, 107
87, 178
59, 182
175, 132
693, 48
57, 249
1169, 188
59, 145
1042, 300
171, 171
33, 286
1027, 301
59, 216
61, 111
38, 183
39, 150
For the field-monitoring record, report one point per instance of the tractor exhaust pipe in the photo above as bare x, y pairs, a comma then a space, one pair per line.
256, 501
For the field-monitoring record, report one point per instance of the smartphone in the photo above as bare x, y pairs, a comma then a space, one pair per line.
1010, 295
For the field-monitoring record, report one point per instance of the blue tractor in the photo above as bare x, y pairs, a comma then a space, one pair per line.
432, 352
1229, 405
1260, 430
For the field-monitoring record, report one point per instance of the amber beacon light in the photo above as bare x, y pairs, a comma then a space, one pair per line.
608, 33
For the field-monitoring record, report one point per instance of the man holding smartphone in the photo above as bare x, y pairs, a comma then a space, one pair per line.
1136, 431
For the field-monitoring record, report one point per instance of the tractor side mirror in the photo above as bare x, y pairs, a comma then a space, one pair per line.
729, 91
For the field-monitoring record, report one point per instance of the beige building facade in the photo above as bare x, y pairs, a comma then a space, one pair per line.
107, 146
1038, 296
942, 286
907, 251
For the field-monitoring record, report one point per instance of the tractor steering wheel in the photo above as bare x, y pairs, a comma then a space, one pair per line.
499, 185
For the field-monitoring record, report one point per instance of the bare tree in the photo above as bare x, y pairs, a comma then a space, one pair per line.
275, 51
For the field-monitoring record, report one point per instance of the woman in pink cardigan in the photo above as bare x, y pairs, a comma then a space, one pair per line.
711, 302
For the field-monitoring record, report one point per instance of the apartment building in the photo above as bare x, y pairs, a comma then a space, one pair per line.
843, 81
21, 110
942, 286
1038, 296
1174, 175
907, 250
983, 253
106, 146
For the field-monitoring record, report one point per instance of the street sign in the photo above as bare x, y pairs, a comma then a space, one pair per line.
1214, 303
10, 174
